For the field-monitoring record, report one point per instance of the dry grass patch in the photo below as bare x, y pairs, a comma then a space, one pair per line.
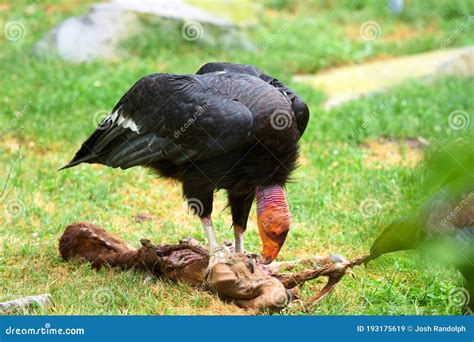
383, 153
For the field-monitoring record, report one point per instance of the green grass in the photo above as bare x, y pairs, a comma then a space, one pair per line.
57, 101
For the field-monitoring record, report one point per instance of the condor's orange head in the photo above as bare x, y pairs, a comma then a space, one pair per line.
273, 219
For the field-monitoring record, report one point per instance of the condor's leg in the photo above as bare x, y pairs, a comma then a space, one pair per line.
200, 203
240, 207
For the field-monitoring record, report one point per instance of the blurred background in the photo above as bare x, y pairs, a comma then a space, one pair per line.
385, 81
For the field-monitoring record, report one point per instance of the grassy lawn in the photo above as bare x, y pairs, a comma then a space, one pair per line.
48, 107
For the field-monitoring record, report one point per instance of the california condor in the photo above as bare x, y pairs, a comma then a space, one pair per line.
230, 127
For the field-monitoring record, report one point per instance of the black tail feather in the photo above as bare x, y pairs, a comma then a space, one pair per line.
75, 161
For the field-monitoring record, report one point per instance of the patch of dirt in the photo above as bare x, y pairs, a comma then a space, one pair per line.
400, 32
66, 7
302, 161
384, 153
403, 32
12, 144
4, 7
47, 205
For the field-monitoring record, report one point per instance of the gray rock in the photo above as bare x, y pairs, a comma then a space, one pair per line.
98, 33
43, 301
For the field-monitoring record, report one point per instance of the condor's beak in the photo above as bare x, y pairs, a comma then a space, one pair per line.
273, 226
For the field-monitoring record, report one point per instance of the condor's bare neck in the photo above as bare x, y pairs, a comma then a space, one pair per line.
270, 196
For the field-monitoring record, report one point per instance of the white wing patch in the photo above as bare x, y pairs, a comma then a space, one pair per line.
120, 120
129, 123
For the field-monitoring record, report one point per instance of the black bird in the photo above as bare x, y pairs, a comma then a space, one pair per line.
230, 127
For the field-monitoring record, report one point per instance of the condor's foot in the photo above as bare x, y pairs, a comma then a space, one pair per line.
227, 255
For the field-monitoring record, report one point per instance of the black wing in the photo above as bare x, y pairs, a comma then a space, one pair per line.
299, 107
169, 117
